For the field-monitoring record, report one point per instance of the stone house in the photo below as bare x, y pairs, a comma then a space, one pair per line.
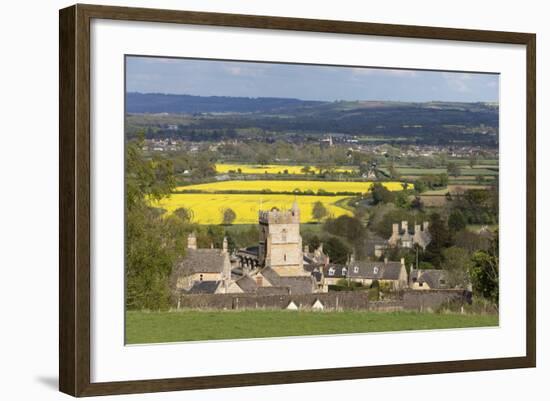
268, 282
393, 274
334, 273
202, 271
429, 279
401, 236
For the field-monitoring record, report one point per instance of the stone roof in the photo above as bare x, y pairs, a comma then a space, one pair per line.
201, 261
247, 283
204, 287
297, 284
432, 277
335, 271
375, 270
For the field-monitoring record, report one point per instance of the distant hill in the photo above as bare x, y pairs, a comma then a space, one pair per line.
166, 103
218, 117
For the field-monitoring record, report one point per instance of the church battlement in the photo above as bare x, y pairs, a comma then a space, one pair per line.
276, 216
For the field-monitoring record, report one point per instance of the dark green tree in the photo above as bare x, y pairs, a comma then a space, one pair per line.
319, 211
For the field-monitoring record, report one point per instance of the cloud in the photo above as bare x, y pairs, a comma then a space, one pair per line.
384, 72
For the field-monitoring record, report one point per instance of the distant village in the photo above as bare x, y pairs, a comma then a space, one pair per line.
281, 266
353, 143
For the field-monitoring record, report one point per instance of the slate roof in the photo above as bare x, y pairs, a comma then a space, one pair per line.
375, 270
297, 284
204, 287
335, 271
432, 277
247, 284
201, 261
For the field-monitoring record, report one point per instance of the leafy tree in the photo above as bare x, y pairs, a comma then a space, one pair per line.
380, 194
336, 249
484, 272
228, 216
262, 158
453, 169
440, 239
420, 186
149, 247
457, 221
185, 214
319, 211
457, 265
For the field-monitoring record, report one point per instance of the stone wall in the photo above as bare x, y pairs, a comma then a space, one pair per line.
330, 300
426, 300
430, 300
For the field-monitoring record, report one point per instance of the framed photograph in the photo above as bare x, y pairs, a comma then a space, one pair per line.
249, 200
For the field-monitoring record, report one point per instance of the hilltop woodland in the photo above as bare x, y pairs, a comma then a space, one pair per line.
156, 238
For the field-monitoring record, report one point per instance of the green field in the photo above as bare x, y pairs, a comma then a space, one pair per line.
193, 325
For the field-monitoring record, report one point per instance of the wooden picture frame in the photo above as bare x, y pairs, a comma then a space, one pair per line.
74, 199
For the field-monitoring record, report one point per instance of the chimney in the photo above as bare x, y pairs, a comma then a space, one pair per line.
405, 226
386, 260
352, 258
211, 245
224, 246
395, 228
191, 241
402, 261
425, 226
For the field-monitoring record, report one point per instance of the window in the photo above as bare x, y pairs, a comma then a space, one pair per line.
356, 269
344, 271
421, 284
259, 281
200, 277
331, 271
284, 257
283, 235
375, 270
442, 281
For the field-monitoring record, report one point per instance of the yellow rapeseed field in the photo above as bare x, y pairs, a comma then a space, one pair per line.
269, 169
207, 208
288, 186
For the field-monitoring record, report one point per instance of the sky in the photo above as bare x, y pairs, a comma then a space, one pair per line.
307, 82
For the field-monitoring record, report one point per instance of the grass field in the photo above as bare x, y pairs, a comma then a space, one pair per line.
207, 208
288, 186
269, 168
158, 327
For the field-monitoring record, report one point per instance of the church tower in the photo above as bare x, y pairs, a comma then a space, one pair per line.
280, 242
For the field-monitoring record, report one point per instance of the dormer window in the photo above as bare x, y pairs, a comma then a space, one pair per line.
356, 269
331, 271
375, 270
344, 271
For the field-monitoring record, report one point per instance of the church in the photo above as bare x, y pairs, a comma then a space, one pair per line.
279, 264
